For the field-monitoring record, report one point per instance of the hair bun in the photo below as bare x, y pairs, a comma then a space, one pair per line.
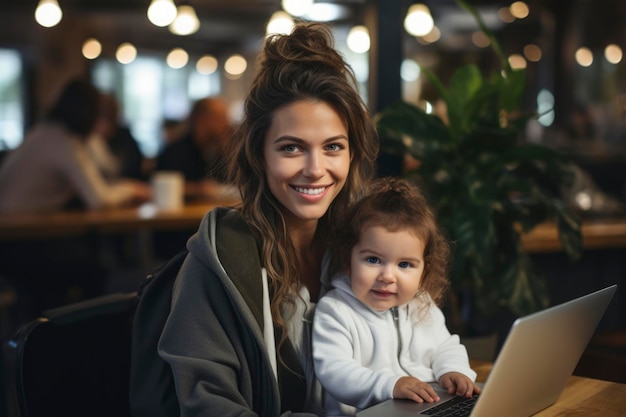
308, 45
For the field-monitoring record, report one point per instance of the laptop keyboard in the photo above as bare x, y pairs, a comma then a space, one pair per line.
455, 407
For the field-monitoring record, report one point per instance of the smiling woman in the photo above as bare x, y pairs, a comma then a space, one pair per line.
302, 154
308, 157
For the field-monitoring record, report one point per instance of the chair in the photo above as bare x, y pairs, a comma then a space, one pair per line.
72, 361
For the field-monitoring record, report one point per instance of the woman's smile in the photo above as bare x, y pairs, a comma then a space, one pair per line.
307, 158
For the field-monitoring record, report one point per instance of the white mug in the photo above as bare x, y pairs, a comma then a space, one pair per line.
168, 189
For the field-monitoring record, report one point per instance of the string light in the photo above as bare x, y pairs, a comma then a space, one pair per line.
418, 20
126, 53
186, 21
91, 48
48, 13
297, 7
235, 66
279, 23
177, 58
358, 39
161, 12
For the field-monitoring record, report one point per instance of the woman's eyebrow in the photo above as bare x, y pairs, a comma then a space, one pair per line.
289, 138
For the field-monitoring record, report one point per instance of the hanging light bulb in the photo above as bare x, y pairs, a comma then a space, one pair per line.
126, 53
297, 7
418, 20
235, 66
162, 12
186, 21
177, 58
358, 39
48, 13
279, 23
92, 48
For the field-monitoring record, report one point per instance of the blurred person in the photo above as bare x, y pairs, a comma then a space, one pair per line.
112, 144
52, 168
52, 171
200, 153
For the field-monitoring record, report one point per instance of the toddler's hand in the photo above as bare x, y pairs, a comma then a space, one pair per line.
457, 383
413, 389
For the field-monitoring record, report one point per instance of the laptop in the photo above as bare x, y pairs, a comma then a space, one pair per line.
537, 358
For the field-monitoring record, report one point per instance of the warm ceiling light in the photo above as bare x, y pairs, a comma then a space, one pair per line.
480, 39
177, 58
186, 21
48, 13
532, 52
418, 20
279, 23
504, 13
91, 48
584, 56
517, 62
520, 10
613, 53
126, 53
358, 39
326, 12
235, 66
297, 7
207, 65
162, 12
432, 36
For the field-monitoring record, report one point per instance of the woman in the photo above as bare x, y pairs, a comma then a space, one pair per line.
51, 171
52, 168
238, 334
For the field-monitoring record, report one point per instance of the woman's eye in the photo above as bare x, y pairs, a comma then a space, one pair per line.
290, 148
373, 260
334, 147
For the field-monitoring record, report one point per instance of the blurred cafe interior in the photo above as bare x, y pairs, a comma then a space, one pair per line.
156, 67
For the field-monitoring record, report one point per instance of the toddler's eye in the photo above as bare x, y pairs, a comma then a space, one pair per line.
373, 260
404, 264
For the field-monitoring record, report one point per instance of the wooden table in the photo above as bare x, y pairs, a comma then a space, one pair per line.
119, 220
597, 234
581, 396
601, 233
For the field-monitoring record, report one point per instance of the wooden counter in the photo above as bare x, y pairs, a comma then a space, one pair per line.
119, 220
597, 234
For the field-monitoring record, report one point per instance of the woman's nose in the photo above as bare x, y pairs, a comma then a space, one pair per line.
315, 165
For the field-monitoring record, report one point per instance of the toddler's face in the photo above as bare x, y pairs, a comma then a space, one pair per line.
386, 267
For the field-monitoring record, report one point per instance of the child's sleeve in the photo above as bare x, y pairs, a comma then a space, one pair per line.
336, 355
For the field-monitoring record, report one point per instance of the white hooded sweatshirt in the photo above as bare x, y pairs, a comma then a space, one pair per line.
360, 353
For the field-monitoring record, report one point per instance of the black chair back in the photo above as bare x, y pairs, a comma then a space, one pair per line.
72, 361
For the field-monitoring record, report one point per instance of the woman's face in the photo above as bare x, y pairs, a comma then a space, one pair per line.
307, 158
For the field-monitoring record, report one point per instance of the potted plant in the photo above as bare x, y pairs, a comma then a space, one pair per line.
487, 184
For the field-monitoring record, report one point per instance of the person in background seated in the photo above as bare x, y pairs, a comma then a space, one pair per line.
378, 334
113, 146
200, 154
52, 168
53, 171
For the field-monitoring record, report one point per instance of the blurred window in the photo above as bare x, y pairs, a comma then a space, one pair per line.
11, 100
150, 93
